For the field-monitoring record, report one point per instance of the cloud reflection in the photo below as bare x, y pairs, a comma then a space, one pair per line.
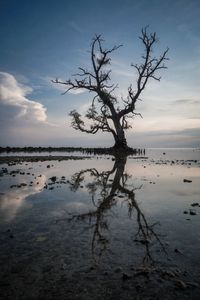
13, 200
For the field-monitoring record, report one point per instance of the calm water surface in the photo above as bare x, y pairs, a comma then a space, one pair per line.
102, 215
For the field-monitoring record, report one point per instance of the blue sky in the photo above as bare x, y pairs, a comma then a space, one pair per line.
42, 40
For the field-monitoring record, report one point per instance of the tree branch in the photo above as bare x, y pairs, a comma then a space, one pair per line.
145, 70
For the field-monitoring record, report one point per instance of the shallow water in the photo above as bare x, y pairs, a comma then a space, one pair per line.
76, 225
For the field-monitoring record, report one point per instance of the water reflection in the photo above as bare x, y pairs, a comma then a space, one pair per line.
111, 216
107, 189
13, 200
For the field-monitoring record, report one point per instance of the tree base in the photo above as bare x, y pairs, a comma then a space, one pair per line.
122, 150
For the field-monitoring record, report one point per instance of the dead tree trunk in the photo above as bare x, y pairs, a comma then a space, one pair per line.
120, 140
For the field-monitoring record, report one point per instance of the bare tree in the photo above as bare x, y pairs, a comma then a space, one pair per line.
107, 113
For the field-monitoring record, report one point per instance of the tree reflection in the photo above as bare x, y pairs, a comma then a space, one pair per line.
110, 191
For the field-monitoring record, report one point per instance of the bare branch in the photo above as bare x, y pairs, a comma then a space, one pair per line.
97, 79
146, 70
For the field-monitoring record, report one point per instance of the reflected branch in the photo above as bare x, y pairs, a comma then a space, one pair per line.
146, 232
108, 190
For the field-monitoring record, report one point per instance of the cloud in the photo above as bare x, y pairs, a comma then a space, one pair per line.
75, 27
77, 91
14, 104
186, 101
61, 87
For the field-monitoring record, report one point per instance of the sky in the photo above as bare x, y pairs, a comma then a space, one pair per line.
44, 40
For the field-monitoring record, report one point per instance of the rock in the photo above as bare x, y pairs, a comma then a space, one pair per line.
47, 269
138, 287
169, 273
53, 178
192, 284
181, 284
125, 276
41, 238
195, 204
185, 212
64, 266
192, 212
13, 185
118, 270
48, 166
178, 251
187, 180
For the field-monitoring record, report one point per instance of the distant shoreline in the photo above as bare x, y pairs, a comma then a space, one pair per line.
19, 159
88, 150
